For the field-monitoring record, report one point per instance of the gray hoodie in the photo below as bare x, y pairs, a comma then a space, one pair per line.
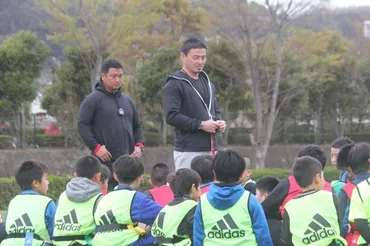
82, 189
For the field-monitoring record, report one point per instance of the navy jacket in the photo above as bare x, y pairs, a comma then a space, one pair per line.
100, 123
185, 109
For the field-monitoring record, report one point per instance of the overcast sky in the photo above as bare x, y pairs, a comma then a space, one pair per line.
348, 3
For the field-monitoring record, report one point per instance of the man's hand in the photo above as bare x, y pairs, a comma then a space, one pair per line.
209, 126
104, 154
221, 125
137, 152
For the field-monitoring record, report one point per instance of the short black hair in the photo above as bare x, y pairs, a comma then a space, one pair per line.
159, 174
305, 169
105, 173
182, 180
128, 169
358, 158
228, 166
314, 151
202, 164
342, 158
192, 43
110, 63
340, 142
87, 166
29, 171
267, 184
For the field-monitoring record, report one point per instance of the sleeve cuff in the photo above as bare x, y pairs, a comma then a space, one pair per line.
139, 144
97, 148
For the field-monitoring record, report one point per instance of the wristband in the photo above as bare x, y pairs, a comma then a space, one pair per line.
97, 148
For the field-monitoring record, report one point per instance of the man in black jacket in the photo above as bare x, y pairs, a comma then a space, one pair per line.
190, 106
108, 121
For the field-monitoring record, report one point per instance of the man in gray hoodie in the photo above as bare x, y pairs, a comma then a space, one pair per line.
74, 222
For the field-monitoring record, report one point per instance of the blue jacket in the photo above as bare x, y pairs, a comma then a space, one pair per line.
344, 202
343, 177
222, 197
49, 214
143, 210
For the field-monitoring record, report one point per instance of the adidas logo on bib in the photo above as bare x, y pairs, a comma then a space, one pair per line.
69, 222
318, 229
226, 229
22, 225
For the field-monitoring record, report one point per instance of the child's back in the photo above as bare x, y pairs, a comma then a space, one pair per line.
118, 213
30, 215
174, 224
227, 214
318, 224
74, 221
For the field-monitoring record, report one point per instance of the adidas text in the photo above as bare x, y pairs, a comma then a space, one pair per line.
226, 234
67, 227
157, 232
316, 236
22, 230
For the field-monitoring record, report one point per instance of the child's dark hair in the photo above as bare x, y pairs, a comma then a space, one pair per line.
87, 166
315, 152
192, 43
182, 180
29, 171
203, 166
266, 184
159, 174
355, 156
228, 166
340, 142
128, 169
105, 173
305, 169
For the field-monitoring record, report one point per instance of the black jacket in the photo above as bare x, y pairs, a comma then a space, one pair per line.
100, 123
184, 109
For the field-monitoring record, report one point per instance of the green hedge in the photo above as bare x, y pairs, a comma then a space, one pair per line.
5, 141
47, 140
57, 184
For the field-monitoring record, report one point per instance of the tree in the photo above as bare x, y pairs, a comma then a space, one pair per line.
21, 58
249, 27
151, 78
63, 97
227, 70
104, 26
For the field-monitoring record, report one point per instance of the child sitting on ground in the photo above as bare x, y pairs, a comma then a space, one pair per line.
227, 213
288, 189
264, 187
312, 218
161, 192
74, 221
30, 216
174, 224
355, 158
203, 166
119, 211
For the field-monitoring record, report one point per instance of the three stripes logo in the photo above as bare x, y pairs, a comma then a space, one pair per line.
226, 228
108, 218
317, 230
69, 222
22, 225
